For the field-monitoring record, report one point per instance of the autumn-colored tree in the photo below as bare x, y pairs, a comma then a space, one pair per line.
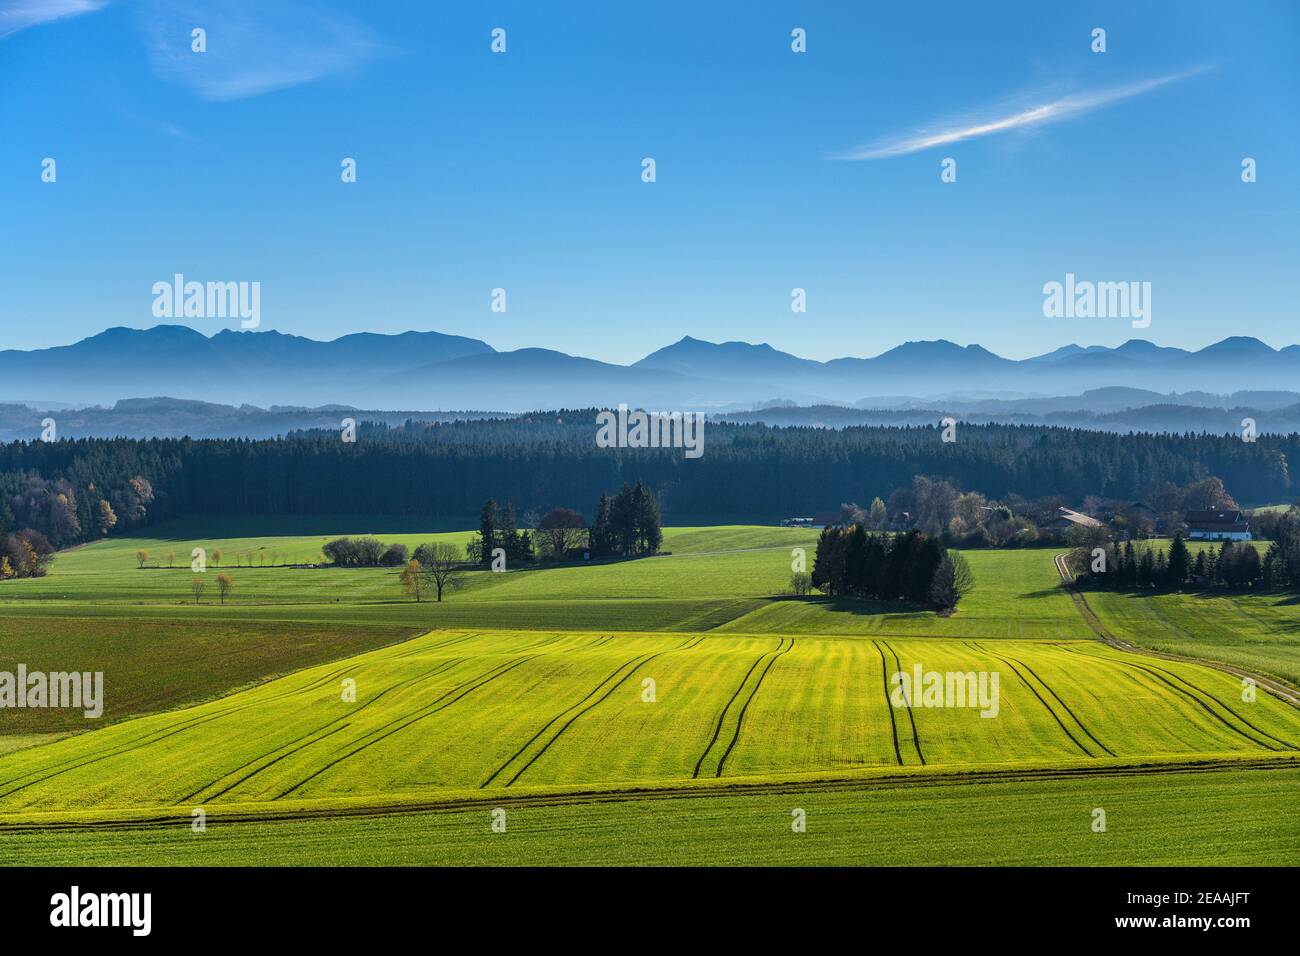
412, 579
29, 560
142, 556
107, 517
225, 584
215, 555
6, 569
198, 586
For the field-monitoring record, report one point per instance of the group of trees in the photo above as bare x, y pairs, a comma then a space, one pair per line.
498, 528
968, 519
964, 519
541, 460
628, 524
909, 566
25, 554
67, 510
1280, 567
364, 553
1234, 565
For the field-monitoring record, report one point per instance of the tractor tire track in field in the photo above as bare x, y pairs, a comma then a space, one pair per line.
545, 642
1046, 706
1215, 699
76, 763
533, 739
287, 753
1204, 706
916, 739
425, 649
582, 707
722, 714
156, 734
429, 709
1135, 666
1012, 661
347, 716
740, 720
153, 818
1278, 688
399, 724
889, 704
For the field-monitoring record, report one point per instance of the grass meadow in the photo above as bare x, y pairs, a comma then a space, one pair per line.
1226, 818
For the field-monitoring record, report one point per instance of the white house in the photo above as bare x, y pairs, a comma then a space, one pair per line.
1227, 525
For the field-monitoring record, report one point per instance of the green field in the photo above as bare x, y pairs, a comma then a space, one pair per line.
527, 690
1260, 632
714, 577
169, 663
1239, 818
1256, 631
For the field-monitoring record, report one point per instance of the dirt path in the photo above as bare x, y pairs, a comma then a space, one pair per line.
1278, 688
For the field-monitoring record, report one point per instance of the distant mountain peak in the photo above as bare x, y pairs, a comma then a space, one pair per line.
428, 369
1240, 344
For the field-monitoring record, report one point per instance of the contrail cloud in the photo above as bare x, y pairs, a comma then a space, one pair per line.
1054, 111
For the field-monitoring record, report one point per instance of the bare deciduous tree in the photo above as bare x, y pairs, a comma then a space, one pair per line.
560, 531
441, 566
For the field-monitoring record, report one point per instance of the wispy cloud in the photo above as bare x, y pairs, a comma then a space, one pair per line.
1023, 117
18, 15
252, 47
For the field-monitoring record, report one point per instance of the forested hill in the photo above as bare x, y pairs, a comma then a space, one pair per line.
551, 459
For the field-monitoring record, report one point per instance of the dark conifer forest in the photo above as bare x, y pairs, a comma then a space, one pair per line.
78, 490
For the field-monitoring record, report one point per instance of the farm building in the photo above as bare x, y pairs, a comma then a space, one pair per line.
1066, 519
1227, 525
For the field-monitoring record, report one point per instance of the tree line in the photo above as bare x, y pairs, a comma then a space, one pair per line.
76, 490
1233, 565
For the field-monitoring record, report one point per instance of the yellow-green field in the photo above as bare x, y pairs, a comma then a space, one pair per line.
455, 711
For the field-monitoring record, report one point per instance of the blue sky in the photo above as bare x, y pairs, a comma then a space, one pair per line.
523, 170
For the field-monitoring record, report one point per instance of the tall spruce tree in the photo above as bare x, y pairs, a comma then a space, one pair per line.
601, 538
1179, 562
488, 524
645, 510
